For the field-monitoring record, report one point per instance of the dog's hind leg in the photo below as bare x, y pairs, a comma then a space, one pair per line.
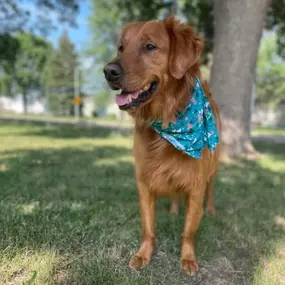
174, 208
210, 206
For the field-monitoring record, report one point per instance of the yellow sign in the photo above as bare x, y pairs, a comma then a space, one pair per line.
77, 100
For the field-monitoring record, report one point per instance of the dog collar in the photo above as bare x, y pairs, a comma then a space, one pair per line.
194, 128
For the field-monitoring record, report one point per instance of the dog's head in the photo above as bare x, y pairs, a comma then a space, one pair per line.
151, 56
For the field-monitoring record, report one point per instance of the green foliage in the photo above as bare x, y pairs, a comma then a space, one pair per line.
9, 46
16, 16
30, 63
200, 15
60, 77
22, 61
108, 18
34, 16
270, 73
276, 20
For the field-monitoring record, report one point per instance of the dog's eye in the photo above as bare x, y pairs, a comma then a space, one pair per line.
120, 48
150, 47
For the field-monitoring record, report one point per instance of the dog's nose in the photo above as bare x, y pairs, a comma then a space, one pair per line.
113, 72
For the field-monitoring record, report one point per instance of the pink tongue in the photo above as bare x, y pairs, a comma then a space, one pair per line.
126, 98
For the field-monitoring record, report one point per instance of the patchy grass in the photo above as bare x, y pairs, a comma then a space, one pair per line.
268, 131
69, 214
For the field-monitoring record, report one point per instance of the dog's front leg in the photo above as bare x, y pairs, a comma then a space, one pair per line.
148, 209
193, 215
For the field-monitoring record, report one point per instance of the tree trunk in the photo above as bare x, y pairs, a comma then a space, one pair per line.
238, 30
25, 102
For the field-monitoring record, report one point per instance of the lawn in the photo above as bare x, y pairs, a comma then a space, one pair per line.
69, 214
269, 131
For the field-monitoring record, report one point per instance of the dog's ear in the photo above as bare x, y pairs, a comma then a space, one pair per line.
185, 47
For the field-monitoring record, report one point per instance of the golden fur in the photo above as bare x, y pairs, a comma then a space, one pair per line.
161, 170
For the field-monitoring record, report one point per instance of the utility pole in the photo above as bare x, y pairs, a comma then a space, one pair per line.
77, 98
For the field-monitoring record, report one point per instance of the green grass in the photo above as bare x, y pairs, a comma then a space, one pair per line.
41, 117
69, 214
269, 131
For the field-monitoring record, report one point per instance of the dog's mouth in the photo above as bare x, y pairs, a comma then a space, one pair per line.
127, 100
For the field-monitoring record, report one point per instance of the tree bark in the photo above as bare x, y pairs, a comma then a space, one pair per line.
238, 30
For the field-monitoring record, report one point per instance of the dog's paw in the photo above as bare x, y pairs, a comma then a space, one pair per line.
189, 267
138, 262
211, 211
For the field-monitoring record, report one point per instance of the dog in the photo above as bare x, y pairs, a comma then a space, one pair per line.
156, 67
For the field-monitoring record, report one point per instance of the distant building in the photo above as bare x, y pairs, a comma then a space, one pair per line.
89, 107
15, 105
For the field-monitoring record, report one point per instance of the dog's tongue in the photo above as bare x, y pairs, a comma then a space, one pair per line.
126, 98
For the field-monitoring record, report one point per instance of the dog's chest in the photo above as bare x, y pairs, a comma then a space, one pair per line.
164, 169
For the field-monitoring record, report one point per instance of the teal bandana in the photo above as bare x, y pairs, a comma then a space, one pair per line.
195, 127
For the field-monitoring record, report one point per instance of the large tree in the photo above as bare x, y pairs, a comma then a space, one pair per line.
60, 74
238, 30
29, 65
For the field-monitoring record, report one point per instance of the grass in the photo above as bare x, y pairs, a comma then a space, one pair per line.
41, 117
69, 214
269, 131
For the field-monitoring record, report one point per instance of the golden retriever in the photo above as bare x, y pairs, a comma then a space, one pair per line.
155, 67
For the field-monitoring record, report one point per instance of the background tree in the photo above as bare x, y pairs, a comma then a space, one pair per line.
9, 46
33, 16
270, 73
17, 15
276, 20
238, 30
29, 65
108, 18
60, 77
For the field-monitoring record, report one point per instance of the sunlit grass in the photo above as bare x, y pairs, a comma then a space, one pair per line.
269, 131
69, 214
272, 269
19, 267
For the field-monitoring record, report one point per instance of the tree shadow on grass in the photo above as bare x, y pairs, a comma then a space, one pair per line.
276, 150
83, 205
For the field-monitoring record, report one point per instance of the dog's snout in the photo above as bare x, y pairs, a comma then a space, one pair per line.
113, 72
